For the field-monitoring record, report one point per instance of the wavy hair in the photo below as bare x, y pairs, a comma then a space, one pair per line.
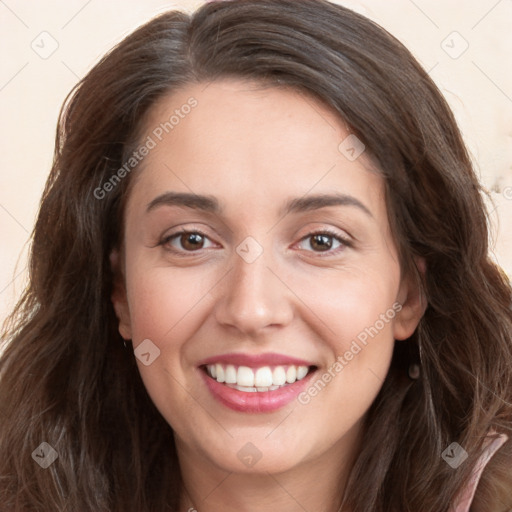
65, 377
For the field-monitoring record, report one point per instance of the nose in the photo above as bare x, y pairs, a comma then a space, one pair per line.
254, 297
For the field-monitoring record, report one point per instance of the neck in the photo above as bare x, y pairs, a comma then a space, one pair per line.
258, 493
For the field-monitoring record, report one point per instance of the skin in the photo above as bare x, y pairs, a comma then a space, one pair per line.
255, 148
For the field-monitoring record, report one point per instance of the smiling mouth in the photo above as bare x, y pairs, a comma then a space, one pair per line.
257, 380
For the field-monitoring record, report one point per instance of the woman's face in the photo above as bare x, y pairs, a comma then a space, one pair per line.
258, 252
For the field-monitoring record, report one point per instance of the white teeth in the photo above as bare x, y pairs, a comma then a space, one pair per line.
291, 374
247, 390
245, 377
219, 370
263, 377
230, 374
278, 376
253, 380
302, 371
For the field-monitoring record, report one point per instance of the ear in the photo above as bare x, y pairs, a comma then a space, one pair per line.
119, 297
413, 302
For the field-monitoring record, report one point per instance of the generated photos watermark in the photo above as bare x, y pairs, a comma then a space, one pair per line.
146, 352
356, 346
454, 455
145, 148
249, 455
45, 455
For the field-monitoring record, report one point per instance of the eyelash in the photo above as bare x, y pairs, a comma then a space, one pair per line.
345, 242
181, 253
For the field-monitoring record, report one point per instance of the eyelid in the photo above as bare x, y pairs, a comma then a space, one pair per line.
345, 241
164, 241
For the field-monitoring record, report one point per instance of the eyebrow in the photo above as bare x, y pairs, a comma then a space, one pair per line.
210, 204
195, 201
315, 202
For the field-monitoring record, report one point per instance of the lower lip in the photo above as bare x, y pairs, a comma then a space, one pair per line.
256, 402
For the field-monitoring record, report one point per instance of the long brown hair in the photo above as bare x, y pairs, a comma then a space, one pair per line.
65, 376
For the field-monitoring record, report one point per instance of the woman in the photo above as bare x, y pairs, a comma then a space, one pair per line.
259, 277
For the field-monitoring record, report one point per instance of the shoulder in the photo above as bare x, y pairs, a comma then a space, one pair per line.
491, 445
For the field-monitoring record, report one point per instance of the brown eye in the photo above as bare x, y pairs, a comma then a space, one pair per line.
192, 241
187, 241
321, 242
324, 241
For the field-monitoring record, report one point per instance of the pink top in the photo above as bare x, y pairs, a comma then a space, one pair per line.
491, 446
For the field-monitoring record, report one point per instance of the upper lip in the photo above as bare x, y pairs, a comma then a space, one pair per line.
255, 360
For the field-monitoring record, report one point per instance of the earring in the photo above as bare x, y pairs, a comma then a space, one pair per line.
414, 371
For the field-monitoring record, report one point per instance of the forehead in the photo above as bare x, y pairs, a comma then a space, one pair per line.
240, 141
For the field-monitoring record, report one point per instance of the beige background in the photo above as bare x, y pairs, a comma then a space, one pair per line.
477, 82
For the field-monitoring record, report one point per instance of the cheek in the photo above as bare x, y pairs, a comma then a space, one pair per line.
358, 306
163, 301
167, 306
355, 309
351, 303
